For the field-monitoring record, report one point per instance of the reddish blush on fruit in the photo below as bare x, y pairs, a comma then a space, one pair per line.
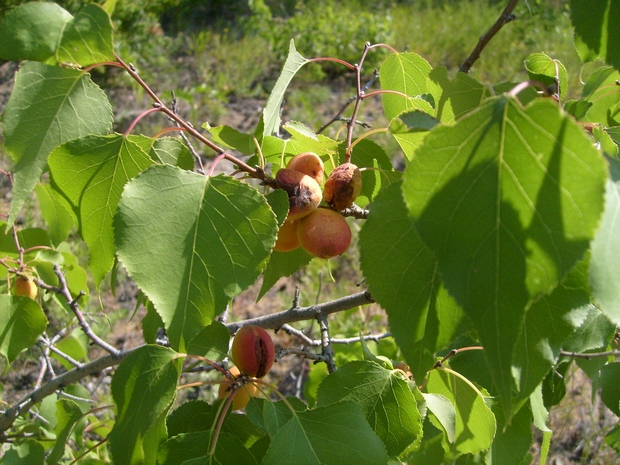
287, 240
308, 163
253, 351
304, 193
343, 186
324, 233
242, 394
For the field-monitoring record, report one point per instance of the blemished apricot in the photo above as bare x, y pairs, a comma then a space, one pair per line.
253, 351
25, 287
324, 233
304, 193
287, 240
308, 163
343, 186
242, 394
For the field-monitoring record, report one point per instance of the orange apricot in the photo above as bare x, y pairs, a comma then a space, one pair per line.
25, 287
287, 240
253, 351
308, 163
242, 394
324, 233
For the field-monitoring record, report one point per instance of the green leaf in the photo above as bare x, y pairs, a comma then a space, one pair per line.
191, 243
549, 322
32, 31
542, 68
282, 264
212, 342
48, 106
401, 273
165, 150
595, 332
384, 396
602, 92
68, 413
87, 38
512, 442
22, 321
444, 412
594, 25
27, 452
508, 199
91, 173
606, 246
232, 138
335, 434
194, 448
271, 416
610, 380
56, 212
454, 98
475, 423
406, 73
143, 388
271, 112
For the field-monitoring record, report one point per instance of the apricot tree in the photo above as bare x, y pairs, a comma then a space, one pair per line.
493, 256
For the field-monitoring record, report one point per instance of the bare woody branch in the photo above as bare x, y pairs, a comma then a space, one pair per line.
505, 18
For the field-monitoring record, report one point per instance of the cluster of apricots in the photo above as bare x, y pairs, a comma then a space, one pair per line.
253, 354
322, 232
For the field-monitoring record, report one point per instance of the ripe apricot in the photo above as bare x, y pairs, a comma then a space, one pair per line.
242, 394
304, 193
25, 287
252, 351
287, 237
343, 186
324, 233
308, 163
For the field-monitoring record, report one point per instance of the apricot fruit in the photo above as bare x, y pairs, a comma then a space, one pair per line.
287, 240
304, 193
308, 163
343, 186
242, 394
25, 287
252, 351
324, 233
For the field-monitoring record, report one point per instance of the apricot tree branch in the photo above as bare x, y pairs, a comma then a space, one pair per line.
254, 172
277, 320
505, 18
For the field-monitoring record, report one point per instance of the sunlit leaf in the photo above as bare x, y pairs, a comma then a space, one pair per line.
192, 243
596, 27
335, 434
91, 173
508, 199
143, 388
271, 112
22, 321
384, 396
48, 106
475, 423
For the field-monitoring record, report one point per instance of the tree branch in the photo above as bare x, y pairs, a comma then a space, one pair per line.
505, 18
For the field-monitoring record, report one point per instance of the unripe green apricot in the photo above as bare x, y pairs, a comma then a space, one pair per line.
343, 186
324, 233
287, 240
309, 164
253, 351
304, 193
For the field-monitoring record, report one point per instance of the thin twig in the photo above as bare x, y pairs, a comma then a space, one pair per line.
73, 304
587, 356
503, 19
